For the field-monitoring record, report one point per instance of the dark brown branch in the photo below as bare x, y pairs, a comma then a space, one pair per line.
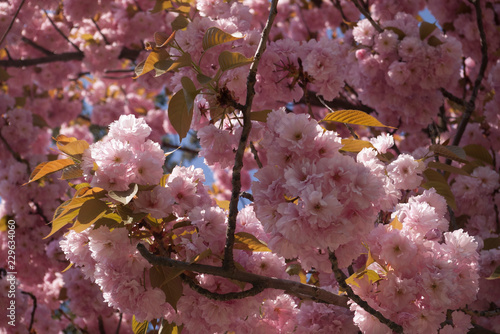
289, 287
15, 154
367, 15
255, 155
452, 97
66, 56
119, 323
471, 105
255, 290
12, 22
337, 103
228, 263
247, 196
37, 46
341, 277
127, 53
61, 33
33, 310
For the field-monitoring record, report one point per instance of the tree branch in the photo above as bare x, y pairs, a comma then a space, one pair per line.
471, 105
66, 56
340, 277
12, 22
289, 287
61, 33
367, 15
32, 311
36, 46
247, 126
255, 290
100, 32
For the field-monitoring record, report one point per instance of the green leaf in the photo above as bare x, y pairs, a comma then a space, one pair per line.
260, 116
447, 168
450, 152
162, 66
354, 145
229, 60
190, 92
434, 41
478, 152
491, 243
182, 61
214, 36
443, 189
495, 275
398, 32
126, 196
168, 280
426, 29
139, 327
49, 167
353, 117
247, 241
179, 115
203, 79
179, 23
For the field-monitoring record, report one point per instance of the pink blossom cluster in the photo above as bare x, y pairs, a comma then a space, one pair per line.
400, 73
125, 157
424, 270
310, 196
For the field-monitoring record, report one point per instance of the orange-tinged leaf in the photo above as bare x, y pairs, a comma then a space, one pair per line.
354, 145
249, 242
443, 189
450, 152
229, 60
63, 140
203, 255
148, 64
179, 115
215, 36
71, 172
49, 167
303, 277
161, 5
92, 210
260, 116
426, 29
478, 152
62, 221
354, 117
223, 204
182, 61
447, 168
162, 40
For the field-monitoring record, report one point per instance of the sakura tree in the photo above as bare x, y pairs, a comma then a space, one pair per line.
353, 146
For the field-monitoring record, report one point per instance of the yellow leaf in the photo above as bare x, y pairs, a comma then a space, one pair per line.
223, 204
49, 167
354, 117
229, 60
354, 145
62, 221
161, 5
68, 267
396, 224
90, 211
139, 327
148, 65
248, 241
214, 36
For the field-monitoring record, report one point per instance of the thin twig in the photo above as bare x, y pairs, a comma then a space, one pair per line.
15, 154
100, 32
119, 323
452, 97
289, 287
471, 105
61, 33
66, 56
341, 277
32, 311
255, 290
255, 154
351, 130
246, 195
367, 15
12, 22
37, 46
247, 126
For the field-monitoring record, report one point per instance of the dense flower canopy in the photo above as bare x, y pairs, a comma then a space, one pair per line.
353, 147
